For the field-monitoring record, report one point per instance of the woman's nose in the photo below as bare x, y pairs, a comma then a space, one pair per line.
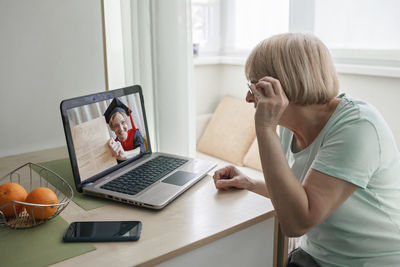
249, 97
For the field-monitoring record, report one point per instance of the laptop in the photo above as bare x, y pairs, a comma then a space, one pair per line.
110, 151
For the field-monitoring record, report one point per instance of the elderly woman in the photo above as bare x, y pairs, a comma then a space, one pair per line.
333, 171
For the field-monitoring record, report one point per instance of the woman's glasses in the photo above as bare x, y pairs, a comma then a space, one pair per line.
249, 83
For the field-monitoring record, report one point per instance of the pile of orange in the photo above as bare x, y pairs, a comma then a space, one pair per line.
12, 192
15, 192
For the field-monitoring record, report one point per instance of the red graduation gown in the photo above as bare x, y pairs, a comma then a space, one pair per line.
128, 143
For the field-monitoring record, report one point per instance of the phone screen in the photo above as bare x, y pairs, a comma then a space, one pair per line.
103, 231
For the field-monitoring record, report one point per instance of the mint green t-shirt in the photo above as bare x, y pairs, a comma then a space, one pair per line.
356, 145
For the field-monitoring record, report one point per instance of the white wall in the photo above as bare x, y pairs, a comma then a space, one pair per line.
382, 92
207, 83
49, 50
214, 81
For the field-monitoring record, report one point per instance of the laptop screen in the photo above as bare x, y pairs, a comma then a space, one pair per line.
104, 131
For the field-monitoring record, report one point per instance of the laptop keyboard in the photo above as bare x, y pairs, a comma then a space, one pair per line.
145, 175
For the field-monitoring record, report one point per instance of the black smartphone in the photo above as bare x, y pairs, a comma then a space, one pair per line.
103, 231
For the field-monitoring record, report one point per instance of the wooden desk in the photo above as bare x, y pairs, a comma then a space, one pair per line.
198, 217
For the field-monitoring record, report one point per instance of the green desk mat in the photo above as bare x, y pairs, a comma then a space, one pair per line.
63, 168
38, 246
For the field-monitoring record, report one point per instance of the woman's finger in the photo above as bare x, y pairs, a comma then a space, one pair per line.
276, 85
114, 146
257, 95
110, 143
266, 88
114, 152
226, 183
219, 174
224, 173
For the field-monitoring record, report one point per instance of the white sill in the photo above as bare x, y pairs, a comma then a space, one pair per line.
218, 60
368, 70
380, 71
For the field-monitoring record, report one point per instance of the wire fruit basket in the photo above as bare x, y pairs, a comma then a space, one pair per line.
31, 176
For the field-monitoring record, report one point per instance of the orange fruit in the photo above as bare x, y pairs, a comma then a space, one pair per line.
12, 192
41, 195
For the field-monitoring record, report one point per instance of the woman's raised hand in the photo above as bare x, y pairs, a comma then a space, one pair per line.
116, 149
270, 101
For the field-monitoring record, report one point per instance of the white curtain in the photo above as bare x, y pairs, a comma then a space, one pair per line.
138, 57
158, 56
155, 36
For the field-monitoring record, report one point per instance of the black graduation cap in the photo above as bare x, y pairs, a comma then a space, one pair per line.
117, 106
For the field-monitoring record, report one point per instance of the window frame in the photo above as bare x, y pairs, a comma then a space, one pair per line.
382, 62
301, 19
212, 47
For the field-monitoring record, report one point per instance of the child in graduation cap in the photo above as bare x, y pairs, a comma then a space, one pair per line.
129, 142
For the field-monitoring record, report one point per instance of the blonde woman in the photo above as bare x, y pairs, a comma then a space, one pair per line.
128, 142
333, 172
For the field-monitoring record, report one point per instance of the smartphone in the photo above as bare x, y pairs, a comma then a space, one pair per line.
103, 231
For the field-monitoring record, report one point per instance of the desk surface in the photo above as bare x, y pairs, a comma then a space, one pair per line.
199, 216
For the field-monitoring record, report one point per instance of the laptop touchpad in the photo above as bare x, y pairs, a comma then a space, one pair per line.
179, 178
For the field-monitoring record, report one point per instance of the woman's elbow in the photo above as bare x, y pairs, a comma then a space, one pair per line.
295, 230
292, 232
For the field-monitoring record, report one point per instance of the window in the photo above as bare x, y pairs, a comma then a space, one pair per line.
247, 22
200, 20
358, 24
358, 32
229, 27
205, 26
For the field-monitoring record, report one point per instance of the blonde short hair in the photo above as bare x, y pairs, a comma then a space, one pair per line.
302, 64
110, 123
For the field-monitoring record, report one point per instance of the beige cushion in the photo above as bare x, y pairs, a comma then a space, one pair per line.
230, 131
252, 157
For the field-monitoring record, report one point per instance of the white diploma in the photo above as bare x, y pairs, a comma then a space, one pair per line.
90, 143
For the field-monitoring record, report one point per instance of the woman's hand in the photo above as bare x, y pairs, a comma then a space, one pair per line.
117, 150
269, 100
229, 177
